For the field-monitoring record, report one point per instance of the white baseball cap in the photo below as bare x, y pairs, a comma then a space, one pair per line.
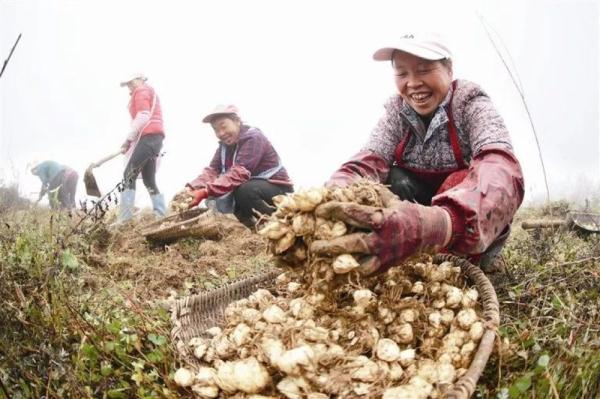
429, 46
133, 77
220, 110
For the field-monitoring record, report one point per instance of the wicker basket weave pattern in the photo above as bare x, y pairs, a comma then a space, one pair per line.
193, 315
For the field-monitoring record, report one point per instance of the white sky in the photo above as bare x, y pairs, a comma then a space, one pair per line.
301, 71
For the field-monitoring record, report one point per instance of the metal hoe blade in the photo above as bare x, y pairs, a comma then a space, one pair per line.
91, 187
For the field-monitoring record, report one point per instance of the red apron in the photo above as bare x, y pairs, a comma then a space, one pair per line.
440, 180
443, 180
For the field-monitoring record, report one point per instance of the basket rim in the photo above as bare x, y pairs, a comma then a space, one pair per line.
465, 386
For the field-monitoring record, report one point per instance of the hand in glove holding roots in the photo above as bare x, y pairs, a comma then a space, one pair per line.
198, 196
400, 229
181, 200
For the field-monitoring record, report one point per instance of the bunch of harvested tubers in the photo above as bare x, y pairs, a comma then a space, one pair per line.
181, 201
410, 332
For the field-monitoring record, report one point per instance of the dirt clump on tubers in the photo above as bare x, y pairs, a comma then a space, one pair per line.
409, 332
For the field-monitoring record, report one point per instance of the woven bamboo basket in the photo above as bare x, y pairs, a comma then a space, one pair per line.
193, 315
192, 223
175, 218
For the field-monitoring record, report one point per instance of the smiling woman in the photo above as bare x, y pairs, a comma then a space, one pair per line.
422, 83
245, 172
445, 152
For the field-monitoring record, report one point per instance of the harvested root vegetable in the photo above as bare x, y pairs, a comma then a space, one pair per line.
476, 331
274, 314
251, 316
301, 309
407, 357
303, 224
388, 350
469, 298
214, 331
325, 331
241, 334
367, 370
285, 242
200, 350
247, 375
293, 387
274, 230
211, 391
205, 376
285, 203
363, 298
465, 318
344, 264
308, 200
183, 377
181, 202
292, 361
325, 230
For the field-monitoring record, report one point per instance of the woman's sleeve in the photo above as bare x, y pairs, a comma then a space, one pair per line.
249, 153
485, 202
143, 104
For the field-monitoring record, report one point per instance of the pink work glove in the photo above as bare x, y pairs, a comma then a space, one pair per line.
400, 229
199, 195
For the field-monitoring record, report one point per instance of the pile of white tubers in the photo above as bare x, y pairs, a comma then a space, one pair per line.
181, 202
408, 333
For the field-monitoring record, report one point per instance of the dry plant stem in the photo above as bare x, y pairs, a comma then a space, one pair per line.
97, 208
49, 372
522, 95
499, 346
10, 54
552, 385
576, 262
551, 267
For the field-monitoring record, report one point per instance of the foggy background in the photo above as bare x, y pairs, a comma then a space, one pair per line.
301, 71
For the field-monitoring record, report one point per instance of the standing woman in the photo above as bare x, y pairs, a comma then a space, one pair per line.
447, 156
244, 174
142, 146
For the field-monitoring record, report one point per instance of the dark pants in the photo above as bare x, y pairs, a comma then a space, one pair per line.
256, 195
66, 192
143, 160
409, 187
62, 188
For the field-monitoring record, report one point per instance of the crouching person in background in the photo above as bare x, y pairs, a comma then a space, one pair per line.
59, 182
245, 173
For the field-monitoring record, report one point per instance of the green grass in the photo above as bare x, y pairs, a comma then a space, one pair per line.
550, 317
63, 336
61, 339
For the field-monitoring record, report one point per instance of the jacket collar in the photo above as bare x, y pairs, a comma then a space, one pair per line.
414, 120
244, 133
